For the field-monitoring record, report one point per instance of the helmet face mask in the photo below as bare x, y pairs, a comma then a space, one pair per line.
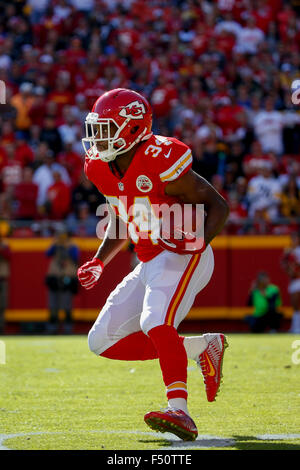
119, 120
102, 138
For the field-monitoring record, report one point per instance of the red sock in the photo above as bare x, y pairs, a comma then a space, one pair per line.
134, 347
172, 358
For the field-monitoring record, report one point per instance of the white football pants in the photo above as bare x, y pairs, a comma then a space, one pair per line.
160, 291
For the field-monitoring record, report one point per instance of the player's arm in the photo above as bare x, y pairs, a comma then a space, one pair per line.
112, 243
193, 189
90, 272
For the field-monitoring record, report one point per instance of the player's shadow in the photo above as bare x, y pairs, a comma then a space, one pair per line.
236, 442
252, 443
204, 443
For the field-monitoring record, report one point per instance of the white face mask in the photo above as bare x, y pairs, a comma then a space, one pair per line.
100, 143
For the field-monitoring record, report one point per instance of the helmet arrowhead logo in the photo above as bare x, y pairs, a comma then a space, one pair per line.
133, 110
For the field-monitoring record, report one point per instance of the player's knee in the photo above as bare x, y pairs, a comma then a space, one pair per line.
96, 342
147, 323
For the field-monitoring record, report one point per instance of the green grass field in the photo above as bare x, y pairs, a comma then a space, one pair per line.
55, 394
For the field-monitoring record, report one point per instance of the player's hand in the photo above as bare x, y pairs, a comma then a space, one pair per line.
183, 233
187, 244
90, 272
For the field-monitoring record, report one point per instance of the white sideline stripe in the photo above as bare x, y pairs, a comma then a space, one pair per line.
203, 441
277, 437
4, 437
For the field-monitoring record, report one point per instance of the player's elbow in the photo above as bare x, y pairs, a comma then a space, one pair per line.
225, 208
222, 207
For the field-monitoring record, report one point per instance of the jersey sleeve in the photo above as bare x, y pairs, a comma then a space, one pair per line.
175, 160
92, 172
87, 171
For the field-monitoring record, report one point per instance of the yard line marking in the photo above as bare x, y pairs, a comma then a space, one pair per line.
277, 437
203, 441
5, 437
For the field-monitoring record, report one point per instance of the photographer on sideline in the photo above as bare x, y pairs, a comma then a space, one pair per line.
61, 281
265, 298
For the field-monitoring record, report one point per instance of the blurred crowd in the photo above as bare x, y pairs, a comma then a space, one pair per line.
217, 73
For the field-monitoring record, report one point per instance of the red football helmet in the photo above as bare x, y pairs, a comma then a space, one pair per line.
124, 111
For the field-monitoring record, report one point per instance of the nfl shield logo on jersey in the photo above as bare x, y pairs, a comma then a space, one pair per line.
121, 186
144, 184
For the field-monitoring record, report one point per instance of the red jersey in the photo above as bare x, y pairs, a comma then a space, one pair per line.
141, 190
26, 195
59, 196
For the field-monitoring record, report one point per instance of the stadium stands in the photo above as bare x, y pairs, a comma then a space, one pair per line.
218, 74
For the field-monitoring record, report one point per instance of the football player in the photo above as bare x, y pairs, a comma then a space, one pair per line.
137, 172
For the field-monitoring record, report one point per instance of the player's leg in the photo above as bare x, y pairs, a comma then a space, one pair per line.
116, 334
171, 281
208, 349
124, 339
174, 281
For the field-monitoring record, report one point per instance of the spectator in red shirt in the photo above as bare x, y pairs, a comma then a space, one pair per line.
226, 41
231, 118
26, 196
253, 162
61, 65
38, 109
284, 18
113, 61
264, 13
75, 53
72, 161
199, 41
3, 158
7, 133
163, 99
90, 85
238, 214
23, 152
11, 173
62, 94
58, 198
46, 68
